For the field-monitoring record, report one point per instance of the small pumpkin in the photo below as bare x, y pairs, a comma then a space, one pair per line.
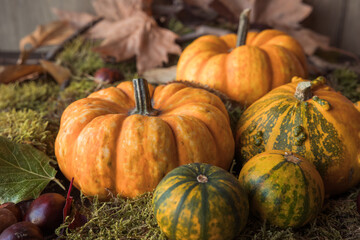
200, 201
284, 189
120, 140
246, 70
311, 119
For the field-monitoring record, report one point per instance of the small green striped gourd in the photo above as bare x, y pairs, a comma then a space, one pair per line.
200, 201
311, 119
283, 189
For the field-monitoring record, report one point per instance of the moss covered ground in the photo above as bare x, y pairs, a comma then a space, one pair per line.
30, 113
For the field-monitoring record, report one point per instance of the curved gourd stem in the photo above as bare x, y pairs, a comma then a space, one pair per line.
289, 156
142, 98
303, 91
244, 25
202, 178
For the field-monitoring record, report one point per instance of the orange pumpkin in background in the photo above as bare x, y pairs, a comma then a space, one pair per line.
245, 72
116, 140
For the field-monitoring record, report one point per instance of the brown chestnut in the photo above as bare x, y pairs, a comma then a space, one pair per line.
24, 206
15, 209
22, 231
7, 218
108, 75
46, 212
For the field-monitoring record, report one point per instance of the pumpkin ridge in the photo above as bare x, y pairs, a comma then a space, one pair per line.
306, 202
178, 209
166, 194
213, 127
264, 177
337, 149
83, 146
180, 123
204, 211
278, 126
203, 96
229, 201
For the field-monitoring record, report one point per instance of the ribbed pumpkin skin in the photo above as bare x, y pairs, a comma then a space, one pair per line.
104, 148
245, 73
324, 130
286, 192
187, 209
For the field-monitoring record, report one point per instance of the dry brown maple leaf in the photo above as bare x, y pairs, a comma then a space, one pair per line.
18, 73
128, 31
50, 34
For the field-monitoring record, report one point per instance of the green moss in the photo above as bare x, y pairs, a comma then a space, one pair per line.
79, 57
347, 82
133, 219
117, 219
78, 89
30, 95
178, 27
27, 126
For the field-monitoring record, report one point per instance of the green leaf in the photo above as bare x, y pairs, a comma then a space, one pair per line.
24, 171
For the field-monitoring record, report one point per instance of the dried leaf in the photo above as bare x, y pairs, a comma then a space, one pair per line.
50, 34
160, 75
128, 30
78, 20
205, 4
280, 12
309, 39
59, 73
119, 10
24, 171
18, 73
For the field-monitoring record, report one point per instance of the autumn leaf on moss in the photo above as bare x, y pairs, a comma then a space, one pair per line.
24, 171
18, 73
128, 30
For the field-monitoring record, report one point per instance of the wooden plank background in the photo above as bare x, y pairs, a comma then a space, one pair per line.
338, 19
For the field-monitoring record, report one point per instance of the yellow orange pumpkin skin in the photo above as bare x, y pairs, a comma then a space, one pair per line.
284, 189
106, 149
245, 73
324, 129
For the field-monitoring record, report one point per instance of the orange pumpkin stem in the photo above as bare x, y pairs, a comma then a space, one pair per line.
303, 91
142, 99
244, 25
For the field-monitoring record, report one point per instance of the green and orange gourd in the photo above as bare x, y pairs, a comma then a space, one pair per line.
311, 119
200, 201
244, 67
125, 139
283, 188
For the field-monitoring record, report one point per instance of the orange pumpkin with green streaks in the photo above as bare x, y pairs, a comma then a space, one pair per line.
246, 72
311, 119
115, 140
283, 189
200, 201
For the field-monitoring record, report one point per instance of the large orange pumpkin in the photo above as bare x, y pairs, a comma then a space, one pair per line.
245, 73
116, 141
